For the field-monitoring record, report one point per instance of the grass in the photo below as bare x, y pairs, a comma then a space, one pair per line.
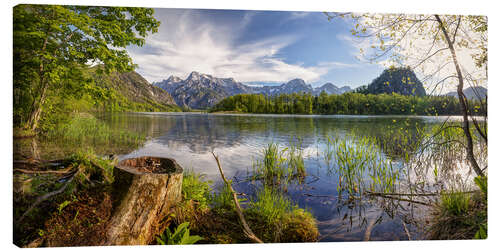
271, 205
280, 166
461, 215
276, 219
361, 165
271, 215
195, 188
85, 131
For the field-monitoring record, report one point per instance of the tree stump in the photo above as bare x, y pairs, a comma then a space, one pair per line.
144, 191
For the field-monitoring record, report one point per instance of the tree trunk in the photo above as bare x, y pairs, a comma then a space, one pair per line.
463, 103
36, 108
145, 190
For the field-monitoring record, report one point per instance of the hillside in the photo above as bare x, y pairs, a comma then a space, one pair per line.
131, 92
472, 93
396, 80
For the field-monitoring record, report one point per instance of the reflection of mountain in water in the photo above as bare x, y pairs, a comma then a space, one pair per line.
202, 133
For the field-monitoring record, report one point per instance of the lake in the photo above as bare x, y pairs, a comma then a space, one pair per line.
239, 140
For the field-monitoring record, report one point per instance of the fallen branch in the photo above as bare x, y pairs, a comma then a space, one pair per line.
246, 229
414, 194
47, 196
402, 199
28, 171
370, 226
401, 194
406, 230
319, 196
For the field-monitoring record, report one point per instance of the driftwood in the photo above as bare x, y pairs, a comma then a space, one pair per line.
145, 190
47, 196
246, 229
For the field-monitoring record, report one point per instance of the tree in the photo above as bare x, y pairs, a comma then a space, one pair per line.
52, 40
433, 44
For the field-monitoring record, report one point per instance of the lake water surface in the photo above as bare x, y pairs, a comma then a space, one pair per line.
239, 141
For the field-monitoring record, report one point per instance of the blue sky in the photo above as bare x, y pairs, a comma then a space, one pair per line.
253, 46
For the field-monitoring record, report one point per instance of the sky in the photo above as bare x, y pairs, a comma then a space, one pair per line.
255, 47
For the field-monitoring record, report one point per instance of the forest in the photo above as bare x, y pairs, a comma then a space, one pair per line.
347, 104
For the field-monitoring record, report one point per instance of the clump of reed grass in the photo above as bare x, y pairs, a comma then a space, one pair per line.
280, 166
277, 219
362, 166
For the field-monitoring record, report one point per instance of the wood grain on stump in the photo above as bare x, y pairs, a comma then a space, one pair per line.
145, 190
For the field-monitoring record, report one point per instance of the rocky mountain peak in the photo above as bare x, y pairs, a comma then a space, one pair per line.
194, 76
173, 79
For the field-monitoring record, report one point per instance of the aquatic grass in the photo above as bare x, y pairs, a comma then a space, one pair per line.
223, 199
84, 130
455, 203
271, 205
361, 166
277, 219
272, 168
329, 149
296, 165
280, 166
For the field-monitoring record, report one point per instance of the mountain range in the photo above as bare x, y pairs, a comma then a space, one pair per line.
200, 91
472, 93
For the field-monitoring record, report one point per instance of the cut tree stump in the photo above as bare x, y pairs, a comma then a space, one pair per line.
145, 190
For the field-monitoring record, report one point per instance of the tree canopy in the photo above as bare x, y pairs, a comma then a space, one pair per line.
52, 42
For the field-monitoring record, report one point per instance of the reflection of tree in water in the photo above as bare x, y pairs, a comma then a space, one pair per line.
202, 133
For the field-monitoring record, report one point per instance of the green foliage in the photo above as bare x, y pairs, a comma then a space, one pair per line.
84, 130
53, 43
482, 183
455, 203
222, 199
280, 166
195, 188
482, 233
345, 104
271, 205
92, 169
180, 236
359, 159
63, 205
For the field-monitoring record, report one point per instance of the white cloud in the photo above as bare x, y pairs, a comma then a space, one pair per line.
190, 43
